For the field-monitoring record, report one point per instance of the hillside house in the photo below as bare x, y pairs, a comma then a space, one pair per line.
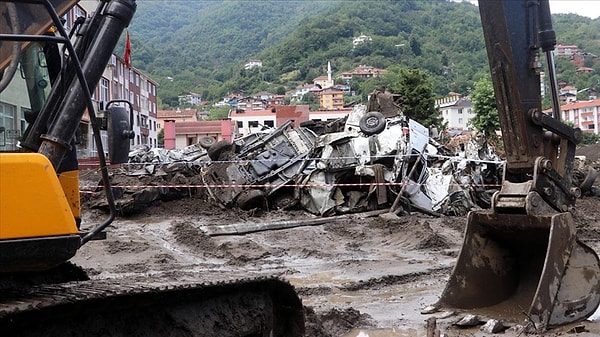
360, 39
191, 98
362, 71
455, 110
300, 91
566, 50
253, 64
567, 94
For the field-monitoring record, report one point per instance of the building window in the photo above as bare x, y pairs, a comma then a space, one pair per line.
460, 111
270, 124
7, 116
460, 121
253, 124
240, 124
104, 94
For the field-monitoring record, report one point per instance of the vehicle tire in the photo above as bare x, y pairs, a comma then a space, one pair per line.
251, 199
207, 141
218, 148
371, 123
588, 181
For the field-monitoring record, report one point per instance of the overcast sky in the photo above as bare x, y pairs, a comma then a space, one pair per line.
589, 8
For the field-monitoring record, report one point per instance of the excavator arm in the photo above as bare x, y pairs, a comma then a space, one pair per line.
535, 142
521, 260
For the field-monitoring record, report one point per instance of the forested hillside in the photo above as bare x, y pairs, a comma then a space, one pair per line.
201, 46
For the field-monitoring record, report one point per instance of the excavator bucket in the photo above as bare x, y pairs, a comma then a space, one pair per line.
524, 268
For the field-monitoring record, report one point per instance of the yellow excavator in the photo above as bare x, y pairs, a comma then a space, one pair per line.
521, 260
50, 72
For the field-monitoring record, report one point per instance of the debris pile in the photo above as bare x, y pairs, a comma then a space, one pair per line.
375, 158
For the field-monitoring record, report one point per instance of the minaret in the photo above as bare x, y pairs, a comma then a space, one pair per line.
329, 79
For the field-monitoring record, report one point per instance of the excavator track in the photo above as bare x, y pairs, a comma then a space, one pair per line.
249, 307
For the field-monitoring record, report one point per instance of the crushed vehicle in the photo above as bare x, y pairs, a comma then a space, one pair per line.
381, 159
150, 175
250, 171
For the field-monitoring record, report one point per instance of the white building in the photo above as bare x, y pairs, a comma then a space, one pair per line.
328, 115
583, 114
456, 111
360, 39
253, 121
253, 64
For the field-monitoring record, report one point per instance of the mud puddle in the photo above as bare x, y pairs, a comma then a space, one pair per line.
384, 333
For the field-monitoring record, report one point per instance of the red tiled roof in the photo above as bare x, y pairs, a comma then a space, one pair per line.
580, 104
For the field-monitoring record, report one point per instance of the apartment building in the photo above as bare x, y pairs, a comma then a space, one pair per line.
583, 114
117, 83
122, 83
331, 99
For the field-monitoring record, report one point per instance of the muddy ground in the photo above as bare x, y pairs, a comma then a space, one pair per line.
357, 276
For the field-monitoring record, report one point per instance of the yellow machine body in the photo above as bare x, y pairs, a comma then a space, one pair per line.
37, 223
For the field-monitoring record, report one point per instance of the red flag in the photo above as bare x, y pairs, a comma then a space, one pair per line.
127, 55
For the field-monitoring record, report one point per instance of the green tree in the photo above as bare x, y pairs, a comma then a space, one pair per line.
486, 117
416, 88
161, 138
218, 113
589, 138
311, 100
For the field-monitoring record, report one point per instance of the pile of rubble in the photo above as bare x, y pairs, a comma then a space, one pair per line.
375, 158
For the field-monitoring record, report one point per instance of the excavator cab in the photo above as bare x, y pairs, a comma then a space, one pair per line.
46, 76
521, 261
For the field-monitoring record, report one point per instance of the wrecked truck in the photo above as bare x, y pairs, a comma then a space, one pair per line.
250, 171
